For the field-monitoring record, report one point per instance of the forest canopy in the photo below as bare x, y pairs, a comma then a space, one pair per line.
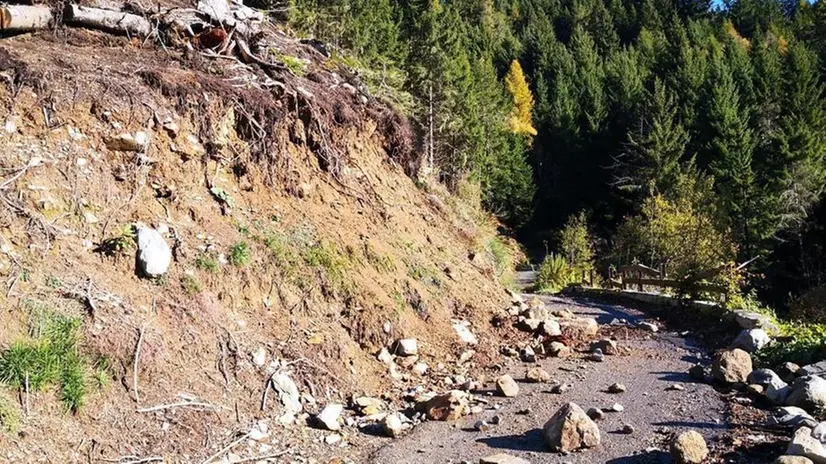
648, 117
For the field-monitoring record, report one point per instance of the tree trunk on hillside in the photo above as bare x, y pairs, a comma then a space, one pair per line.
113, 21
19, 18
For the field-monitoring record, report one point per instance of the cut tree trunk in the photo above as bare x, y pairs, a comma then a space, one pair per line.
20, 18
107, 20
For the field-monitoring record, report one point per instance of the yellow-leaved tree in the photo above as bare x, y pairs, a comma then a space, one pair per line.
521, 119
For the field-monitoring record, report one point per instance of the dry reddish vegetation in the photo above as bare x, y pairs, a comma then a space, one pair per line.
343, 252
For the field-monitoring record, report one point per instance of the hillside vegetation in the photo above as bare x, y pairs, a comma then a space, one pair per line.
687, 133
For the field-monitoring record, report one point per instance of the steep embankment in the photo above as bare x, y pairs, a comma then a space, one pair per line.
299, 245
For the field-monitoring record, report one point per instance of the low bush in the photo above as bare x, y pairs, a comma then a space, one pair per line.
554, 274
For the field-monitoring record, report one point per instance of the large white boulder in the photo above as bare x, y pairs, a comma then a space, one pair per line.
751, 340
154, 254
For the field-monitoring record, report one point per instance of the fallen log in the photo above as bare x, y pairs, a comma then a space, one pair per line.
107, 20
20, 18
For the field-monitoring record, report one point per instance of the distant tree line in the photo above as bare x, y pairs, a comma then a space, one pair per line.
656, 118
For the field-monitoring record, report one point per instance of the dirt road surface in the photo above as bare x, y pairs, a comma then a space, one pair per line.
656, 362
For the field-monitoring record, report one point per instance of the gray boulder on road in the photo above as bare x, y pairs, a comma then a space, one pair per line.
751, 340
808, 393
571, 429
732, 366
804, 444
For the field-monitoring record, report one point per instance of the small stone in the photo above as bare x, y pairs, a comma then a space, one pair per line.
466, 356
154, 254
328, 417
649, 326
596, 356
259, 356
332, 439
419, 368
496, 420
571, 429
755, 389
476, 410
616, 407
697, 372
689, 448
537, 375
627, 429
506, 386
447, 407
732, 366
392, 425
617, 388
559, 388
527, 355
481, 426
558, 350
792, 460
407, 361
596, 414
406, 347
502, 458
607, 346
675, 387
384, 356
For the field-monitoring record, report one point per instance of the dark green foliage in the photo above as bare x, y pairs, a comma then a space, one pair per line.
628, 97
50, 357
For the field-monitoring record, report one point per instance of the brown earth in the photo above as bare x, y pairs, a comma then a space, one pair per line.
346, 253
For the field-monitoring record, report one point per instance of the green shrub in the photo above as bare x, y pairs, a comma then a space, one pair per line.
554, 274
805, 345
191, 285
50, 357
576, 243
9, 416
205, 262
239, 254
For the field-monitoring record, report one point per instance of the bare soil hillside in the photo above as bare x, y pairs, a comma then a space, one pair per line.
300, 245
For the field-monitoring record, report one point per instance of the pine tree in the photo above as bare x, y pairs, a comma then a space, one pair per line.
651, 160
521, 118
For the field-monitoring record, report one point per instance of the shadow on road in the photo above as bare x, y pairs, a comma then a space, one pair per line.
530, 441
651, 457
692, 425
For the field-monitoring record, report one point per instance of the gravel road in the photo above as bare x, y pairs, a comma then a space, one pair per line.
655, 362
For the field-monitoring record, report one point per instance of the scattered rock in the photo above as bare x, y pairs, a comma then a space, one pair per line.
527, 354
537, 375
259, 356
751, 340
689, 448
818, 368
128, 142
627, 429
762, 377
571, 429
528, 324
580, 328
616, 407
332, 439
607, 346
755, 389
596, 414
788, 371
447, 407
419, 368
495, 420
675, 387
502, 458
466, 356
649, 326
550, 328
384, 356
596, 356
481, 426
407, 347
732, 366
617, 388
697, 372
462, 329
793, 460
392, 425
558, 350
288, 395
559, 388
804, 444
809, 393
328, 417
791, 417
506, 386
367, 406
407, 361
752, 320
154, 254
